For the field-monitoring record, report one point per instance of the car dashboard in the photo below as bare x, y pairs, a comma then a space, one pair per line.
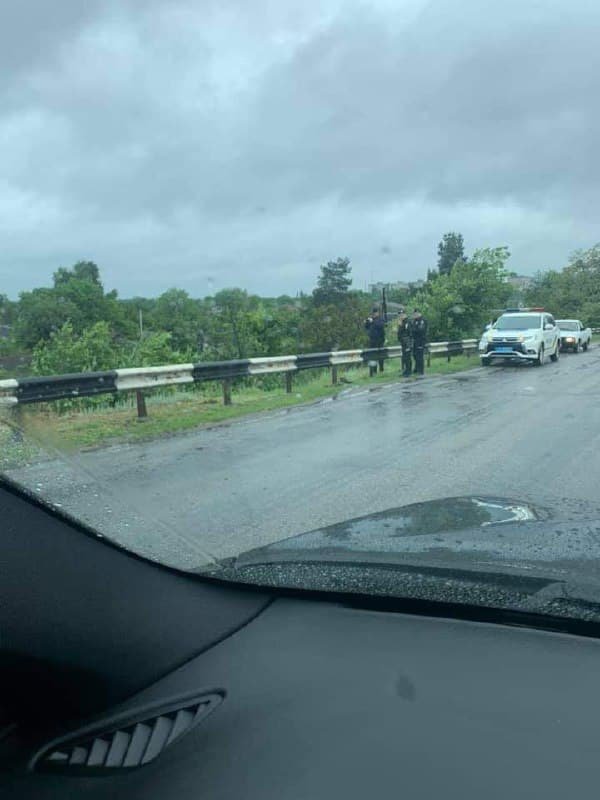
290, 696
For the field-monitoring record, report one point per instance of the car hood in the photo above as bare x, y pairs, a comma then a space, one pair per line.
471, 536
516, 332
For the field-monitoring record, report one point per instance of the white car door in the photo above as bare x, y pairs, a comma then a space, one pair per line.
549, 334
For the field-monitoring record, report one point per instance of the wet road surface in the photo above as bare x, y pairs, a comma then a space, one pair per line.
519, 432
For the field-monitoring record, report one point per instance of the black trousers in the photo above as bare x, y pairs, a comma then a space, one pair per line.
406, 360
419, 354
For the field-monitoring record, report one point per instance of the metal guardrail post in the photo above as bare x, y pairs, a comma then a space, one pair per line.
226, 392
142, 411
288, 382
334, 375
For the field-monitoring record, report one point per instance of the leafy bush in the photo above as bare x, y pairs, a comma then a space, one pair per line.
65, 351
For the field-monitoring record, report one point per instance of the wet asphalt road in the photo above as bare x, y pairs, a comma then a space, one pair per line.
518, 432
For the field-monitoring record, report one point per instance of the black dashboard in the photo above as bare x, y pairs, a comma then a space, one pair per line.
299, 697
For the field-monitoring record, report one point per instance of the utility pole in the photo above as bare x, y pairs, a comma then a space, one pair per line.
141, 323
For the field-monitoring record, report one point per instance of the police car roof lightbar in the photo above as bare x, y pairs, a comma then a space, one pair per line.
521, 310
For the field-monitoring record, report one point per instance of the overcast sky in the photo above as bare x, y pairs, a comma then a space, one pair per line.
244, 142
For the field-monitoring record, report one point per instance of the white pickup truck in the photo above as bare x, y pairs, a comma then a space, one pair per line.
573, 335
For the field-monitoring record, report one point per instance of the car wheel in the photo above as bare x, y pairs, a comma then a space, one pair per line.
585, 347
576, 348
485, 362
556, 353
540, 360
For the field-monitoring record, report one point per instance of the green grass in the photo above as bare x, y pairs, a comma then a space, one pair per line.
15, 449
178, 412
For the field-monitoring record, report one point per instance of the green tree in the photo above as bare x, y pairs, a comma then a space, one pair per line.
278, 330
77, 297
333, 283
573, 291
236, 322
82, 270
8, 310
450, 251
457, 305
66, 351
176, 313
41, 312
129, 311
328, 327
153, 350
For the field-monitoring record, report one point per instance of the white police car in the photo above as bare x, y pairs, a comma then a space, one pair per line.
521, 335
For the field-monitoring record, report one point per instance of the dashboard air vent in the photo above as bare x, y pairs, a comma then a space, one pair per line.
131, 743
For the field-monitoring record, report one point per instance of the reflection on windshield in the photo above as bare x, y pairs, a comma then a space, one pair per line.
398, 529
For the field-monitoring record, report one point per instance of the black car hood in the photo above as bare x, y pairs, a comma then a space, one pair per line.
472, 536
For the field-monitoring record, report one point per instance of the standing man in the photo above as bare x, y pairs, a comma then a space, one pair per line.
375, 327
419, 335
406, 342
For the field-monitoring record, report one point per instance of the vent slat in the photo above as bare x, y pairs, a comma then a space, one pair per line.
58, 757
118, 748
183, 721
158, 738
98, 753
78, 756
138, 744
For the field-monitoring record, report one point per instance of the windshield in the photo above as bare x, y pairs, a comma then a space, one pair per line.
247, 254
516, 323
567, 325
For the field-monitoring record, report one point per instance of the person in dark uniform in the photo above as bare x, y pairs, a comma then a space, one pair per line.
375, 327
406, 342
419, 336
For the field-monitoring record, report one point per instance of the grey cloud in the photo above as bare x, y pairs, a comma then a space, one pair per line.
32, 31
506, 114
212, 138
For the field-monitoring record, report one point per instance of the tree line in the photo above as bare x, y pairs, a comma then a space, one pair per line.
573, 291
76, 325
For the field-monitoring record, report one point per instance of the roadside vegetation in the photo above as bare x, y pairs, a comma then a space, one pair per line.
76, 325
171, 411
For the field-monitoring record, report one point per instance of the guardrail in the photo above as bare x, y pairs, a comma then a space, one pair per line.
23, 391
